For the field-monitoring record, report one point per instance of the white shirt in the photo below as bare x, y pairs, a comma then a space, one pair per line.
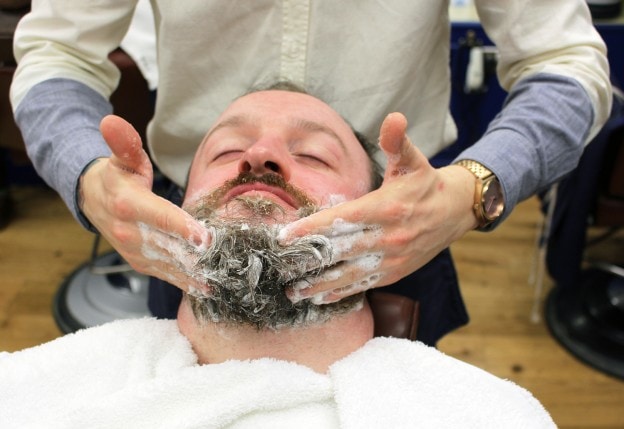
364, 58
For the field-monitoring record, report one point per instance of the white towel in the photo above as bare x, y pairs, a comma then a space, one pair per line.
143, 373
396, 383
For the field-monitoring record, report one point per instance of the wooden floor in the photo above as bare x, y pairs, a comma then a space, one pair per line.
43, 244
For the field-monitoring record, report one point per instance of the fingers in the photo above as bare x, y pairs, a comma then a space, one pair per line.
329, 297
403, 157
160, 214
171, 258
392, 135
171, 254
359, 274
351, 240
177, 276
336, 223
164, 216
126, 145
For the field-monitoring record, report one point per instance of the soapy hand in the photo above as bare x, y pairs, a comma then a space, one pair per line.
153, 235
390, 232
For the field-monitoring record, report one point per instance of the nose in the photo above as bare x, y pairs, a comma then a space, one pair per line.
266, 156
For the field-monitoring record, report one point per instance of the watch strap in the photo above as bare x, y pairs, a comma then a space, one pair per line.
481, 173
475, 168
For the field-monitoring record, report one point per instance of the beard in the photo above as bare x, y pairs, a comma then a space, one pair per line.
248, 271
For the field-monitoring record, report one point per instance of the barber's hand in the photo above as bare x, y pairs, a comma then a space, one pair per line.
391, 232
153, 235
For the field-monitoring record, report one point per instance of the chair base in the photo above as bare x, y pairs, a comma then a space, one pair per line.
86, 299
588, 320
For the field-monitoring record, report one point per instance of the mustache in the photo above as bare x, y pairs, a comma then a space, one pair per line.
206, 204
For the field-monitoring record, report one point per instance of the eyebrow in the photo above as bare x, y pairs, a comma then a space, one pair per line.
232, 122
238, 121
315, 127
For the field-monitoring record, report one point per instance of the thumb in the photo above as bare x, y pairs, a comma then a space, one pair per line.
126, 145
403, 157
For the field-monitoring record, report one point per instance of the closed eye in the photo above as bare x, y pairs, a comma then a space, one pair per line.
311, 159
227, 156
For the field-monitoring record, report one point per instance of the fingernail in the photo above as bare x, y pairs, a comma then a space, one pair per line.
319, 298
201, 238
283, 235
304, 284
295, 296
200, 291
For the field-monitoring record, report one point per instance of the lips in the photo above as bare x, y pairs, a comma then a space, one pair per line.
272, 193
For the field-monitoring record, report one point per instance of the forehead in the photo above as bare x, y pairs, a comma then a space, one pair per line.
278, 107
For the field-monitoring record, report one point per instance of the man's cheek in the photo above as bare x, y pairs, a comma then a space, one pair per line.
201, 188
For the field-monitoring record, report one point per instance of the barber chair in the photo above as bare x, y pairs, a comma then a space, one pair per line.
585, 310
101, 290
394, 315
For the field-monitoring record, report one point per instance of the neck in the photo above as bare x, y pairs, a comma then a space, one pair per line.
316, 346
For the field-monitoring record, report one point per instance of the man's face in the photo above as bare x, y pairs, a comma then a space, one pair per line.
293, 135
271, 158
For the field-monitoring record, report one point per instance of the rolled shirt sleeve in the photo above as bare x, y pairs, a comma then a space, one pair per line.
62, 83
553, 63
67, 137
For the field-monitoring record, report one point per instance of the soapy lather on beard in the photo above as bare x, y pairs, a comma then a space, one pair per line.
178, 253
344, 236
319, 267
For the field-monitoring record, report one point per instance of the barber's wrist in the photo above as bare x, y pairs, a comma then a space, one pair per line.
462, 195
79, 196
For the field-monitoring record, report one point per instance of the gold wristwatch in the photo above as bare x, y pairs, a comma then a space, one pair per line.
489, 202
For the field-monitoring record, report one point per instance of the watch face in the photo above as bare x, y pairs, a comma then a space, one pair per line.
492, 198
